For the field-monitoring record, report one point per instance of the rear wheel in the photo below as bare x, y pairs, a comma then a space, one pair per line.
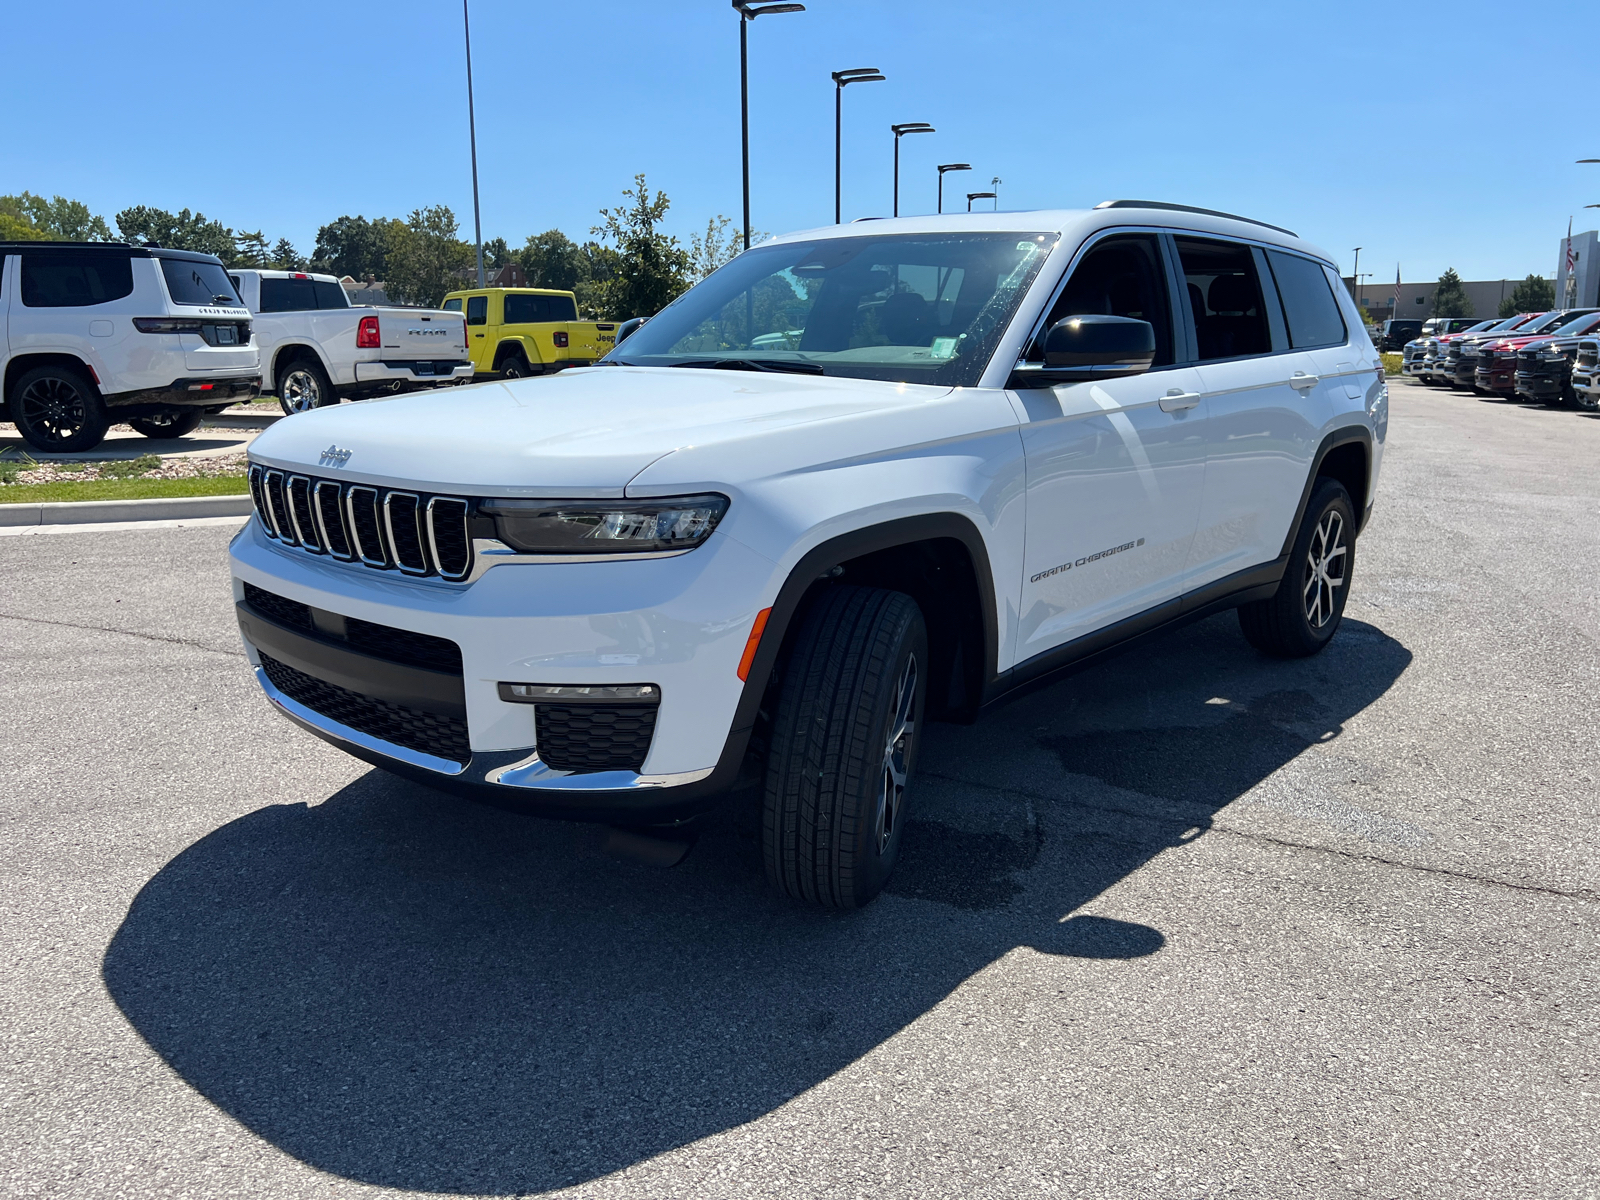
514, 366
1301, 618
844, 744
174, 424
58, 411
304, 385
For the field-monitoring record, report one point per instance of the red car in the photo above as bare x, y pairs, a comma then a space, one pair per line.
1496, 368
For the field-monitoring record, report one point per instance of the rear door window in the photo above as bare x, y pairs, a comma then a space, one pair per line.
1308, 304
287, 295
477, 310
1230, 317
75, 280
329, 295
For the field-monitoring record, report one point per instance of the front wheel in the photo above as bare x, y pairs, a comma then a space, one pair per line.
303, 386
165, 425
845, 732
1302, 616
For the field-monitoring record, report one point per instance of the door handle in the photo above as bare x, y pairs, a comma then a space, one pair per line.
477, 335
1300, 381
1177, 400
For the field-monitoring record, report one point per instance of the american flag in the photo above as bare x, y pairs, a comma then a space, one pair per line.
1572, 260
1396, 304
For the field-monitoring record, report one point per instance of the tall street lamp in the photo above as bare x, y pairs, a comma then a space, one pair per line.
949, 167
747, 13
472, 137
840, 78
899, 132
971, 196
1355, 276
995, 184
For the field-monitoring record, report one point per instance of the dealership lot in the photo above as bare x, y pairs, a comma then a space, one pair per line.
1227, 925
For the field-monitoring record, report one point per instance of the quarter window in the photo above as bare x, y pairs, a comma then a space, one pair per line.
75, 280
1308, 303
1230, 320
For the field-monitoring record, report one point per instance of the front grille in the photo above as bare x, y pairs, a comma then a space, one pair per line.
1527, 360
381, 641
594, 737
425, 732
1589, 354
382, 528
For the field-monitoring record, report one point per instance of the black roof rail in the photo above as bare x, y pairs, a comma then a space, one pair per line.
1205, 212
50, 244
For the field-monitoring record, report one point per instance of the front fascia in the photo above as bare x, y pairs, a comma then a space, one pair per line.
678, 622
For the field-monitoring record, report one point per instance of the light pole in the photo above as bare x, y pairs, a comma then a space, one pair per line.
1359, 288
899, 132
995, 184
971, 196
840, 78
942, 170
472, 137
1355, 276
747, 13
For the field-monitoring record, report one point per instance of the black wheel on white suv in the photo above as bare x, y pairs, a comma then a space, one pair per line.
1301, 618
844, 743
304, 385
173, 424
58, 411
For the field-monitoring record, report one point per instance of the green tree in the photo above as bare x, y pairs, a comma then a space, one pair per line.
496, 254
185, 231
601, 266
717, 248
286, 258
1450, 298
653, 269
57, 219
553, 260
423, 261
250, 250
1533, 294
356, 247
17, 229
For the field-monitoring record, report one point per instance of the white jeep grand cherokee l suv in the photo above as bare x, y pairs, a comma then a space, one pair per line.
92, 333
859, 479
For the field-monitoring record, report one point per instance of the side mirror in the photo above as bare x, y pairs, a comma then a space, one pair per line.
1088, 347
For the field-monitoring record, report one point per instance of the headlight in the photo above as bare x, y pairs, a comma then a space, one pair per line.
606, 526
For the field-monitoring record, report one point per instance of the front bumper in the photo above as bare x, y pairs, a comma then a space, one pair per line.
1540, 385
1496, 378
679, 623
413, 372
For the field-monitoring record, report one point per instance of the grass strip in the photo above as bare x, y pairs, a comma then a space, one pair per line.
1394, 364
122, 489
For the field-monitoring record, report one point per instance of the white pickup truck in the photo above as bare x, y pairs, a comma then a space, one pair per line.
316, 348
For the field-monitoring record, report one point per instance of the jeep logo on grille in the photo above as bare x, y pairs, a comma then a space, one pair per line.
333, 456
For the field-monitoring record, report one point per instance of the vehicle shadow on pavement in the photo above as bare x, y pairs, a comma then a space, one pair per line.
408, 990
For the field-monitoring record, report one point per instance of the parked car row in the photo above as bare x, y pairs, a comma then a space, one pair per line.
97, 333
1530, 356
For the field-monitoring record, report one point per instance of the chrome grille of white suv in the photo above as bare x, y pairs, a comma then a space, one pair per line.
382, 528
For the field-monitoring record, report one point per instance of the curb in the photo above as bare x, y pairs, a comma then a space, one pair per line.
95, 512
241, 420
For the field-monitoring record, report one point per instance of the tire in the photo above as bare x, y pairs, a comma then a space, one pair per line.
1302, 617
58, 411
843, 746
304, 385
515, 366
162, 426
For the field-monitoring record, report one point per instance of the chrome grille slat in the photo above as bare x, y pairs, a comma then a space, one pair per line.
400, 513
381, 528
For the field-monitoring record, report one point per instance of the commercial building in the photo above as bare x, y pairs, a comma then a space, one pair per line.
1580, 289
1416, 299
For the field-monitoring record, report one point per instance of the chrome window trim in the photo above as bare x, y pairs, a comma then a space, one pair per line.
388, 529
381, 562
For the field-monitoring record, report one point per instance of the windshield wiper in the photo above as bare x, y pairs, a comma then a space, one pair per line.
782, 366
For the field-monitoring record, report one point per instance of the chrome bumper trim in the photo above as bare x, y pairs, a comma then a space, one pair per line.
317, 722
531, 773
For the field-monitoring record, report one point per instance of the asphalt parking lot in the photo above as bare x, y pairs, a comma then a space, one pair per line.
1193, 923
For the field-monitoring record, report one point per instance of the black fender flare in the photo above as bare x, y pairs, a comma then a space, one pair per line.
1343, 436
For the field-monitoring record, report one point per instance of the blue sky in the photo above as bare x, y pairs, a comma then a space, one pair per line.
1433, 138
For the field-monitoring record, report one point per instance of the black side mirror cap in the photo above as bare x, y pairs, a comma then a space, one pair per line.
1088, 347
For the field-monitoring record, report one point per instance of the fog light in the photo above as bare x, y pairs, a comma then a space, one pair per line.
564, 693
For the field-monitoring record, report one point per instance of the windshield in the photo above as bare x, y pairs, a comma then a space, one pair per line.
1577, 325
199, 283
909, 308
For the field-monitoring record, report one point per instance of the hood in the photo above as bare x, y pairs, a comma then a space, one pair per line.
579, 433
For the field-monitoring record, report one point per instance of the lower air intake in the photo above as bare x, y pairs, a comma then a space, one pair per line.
593, 737
425, 732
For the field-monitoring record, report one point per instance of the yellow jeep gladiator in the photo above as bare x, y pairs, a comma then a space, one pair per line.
516, 332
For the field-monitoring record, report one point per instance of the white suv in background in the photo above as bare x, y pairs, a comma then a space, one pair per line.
981, 450
316, 348
99, 332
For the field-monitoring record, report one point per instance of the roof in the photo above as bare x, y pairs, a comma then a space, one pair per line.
52, 247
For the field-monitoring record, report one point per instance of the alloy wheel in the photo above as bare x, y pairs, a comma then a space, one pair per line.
897, 754
1325, 562
54, 409
300, 391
